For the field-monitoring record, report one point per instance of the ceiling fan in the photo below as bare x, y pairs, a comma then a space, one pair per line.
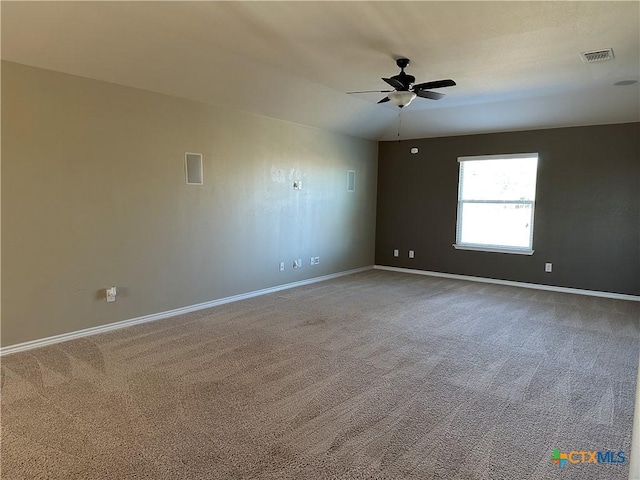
405, 89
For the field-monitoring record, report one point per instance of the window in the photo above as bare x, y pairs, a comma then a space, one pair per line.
496, 200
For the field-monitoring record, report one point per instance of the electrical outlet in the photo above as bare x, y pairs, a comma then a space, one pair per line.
297, 263
396, 252
297, 185
111, 294
411, 254
282, 266
548, 267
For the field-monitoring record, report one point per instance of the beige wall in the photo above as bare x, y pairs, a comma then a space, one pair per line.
93, 195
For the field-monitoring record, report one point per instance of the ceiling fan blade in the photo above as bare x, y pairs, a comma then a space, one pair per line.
373, 91
395, 83
434, 84
385, 99
429, 95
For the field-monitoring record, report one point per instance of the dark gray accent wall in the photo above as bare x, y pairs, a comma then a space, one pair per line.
587, 214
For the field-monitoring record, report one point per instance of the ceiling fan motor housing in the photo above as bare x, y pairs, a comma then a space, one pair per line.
406, 80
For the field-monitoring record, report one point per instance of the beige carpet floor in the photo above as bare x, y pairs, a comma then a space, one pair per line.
377, 375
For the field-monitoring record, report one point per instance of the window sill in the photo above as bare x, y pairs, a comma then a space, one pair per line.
488, 248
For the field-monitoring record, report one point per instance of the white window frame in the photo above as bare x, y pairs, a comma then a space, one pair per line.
493, 248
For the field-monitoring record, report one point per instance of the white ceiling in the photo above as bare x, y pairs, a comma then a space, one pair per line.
517, 64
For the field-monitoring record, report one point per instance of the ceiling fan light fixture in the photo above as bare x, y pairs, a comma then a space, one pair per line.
401, 98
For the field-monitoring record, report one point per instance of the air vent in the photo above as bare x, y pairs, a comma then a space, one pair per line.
351, 181
193, 168
597, 56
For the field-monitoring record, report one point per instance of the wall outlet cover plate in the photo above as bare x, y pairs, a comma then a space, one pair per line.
111, 294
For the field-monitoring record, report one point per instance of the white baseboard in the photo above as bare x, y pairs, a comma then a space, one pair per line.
20, 347
235, 298
536, 286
